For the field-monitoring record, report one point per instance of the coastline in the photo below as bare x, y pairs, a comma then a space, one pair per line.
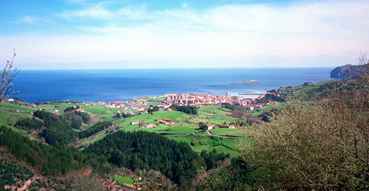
111, 85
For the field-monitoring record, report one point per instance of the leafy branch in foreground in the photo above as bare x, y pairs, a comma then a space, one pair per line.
316, 145
7, 78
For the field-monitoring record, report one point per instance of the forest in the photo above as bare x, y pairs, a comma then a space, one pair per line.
144, 150
49, 160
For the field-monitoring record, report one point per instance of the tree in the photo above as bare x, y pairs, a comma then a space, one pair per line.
7, 78
320, 145
203, 126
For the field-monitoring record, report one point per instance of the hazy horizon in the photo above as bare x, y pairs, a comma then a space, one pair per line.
323, 67
95, 34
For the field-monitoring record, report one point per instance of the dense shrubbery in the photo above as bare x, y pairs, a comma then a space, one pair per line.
11, 171
186, 109
155, 108
126, 115
85, 116
68, 109
316, 145
58, 130
143, 150
238, 176
29, 124
55, 160
235, 107
270, 98
211, 158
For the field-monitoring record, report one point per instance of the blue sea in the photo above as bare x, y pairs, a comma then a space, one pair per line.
126, 84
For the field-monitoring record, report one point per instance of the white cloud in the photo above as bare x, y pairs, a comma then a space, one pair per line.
97, 12
184, 5
325, 33
29, 19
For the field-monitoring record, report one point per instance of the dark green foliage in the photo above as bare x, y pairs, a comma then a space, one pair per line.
227, 105
85, 116
270, 98
126, 115
75, 123
211, 158
75, 118
243, 173
2, 185
242, 123
238, 176
143, 150
46, 116
94, 129
51, 160
155, 108
56, 130
235, 108
185, 109
68, 109
11, 171
29, 124
266, 115
203, 126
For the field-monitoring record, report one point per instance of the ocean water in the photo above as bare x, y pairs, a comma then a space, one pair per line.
126, 84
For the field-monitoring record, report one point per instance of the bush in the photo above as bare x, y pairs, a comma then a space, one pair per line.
316, 145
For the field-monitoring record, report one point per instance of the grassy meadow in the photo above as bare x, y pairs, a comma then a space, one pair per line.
183, 123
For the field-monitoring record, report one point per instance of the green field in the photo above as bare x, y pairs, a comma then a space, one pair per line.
122, 179
9, 107
184, 123
107, 112
10, 113
56, 106
175, 129
229, 132
200, 143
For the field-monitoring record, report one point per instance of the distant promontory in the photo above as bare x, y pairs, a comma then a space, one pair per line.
247, 82
348, 71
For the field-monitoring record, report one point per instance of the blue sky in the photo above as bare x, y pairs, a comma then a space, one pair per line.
83, 34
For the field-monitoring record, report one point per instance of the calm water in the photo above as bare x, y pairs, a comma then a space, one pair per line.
126, 84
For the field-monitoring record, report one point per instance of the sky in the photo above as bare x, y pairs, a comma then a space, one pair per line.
93, 34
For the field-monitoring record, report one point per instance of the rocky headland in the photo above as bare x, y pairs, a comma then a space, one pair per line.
348, 71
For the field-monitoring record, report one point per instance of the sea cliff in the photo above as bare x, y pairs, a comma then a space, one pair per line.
348, 71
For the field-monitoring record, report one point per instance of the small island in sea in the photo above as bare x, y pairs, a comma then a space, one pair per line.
247, 82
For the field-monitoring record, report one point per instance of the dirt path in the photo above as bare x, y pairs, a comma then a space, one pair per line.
94, 139
25, 186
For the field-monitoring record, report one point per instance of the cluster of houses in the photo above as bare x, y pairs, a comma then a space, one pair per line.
163, 121
208, 99
181, 100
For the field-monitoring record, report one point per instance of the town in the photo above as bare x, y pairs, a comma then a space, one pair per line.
194, 99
